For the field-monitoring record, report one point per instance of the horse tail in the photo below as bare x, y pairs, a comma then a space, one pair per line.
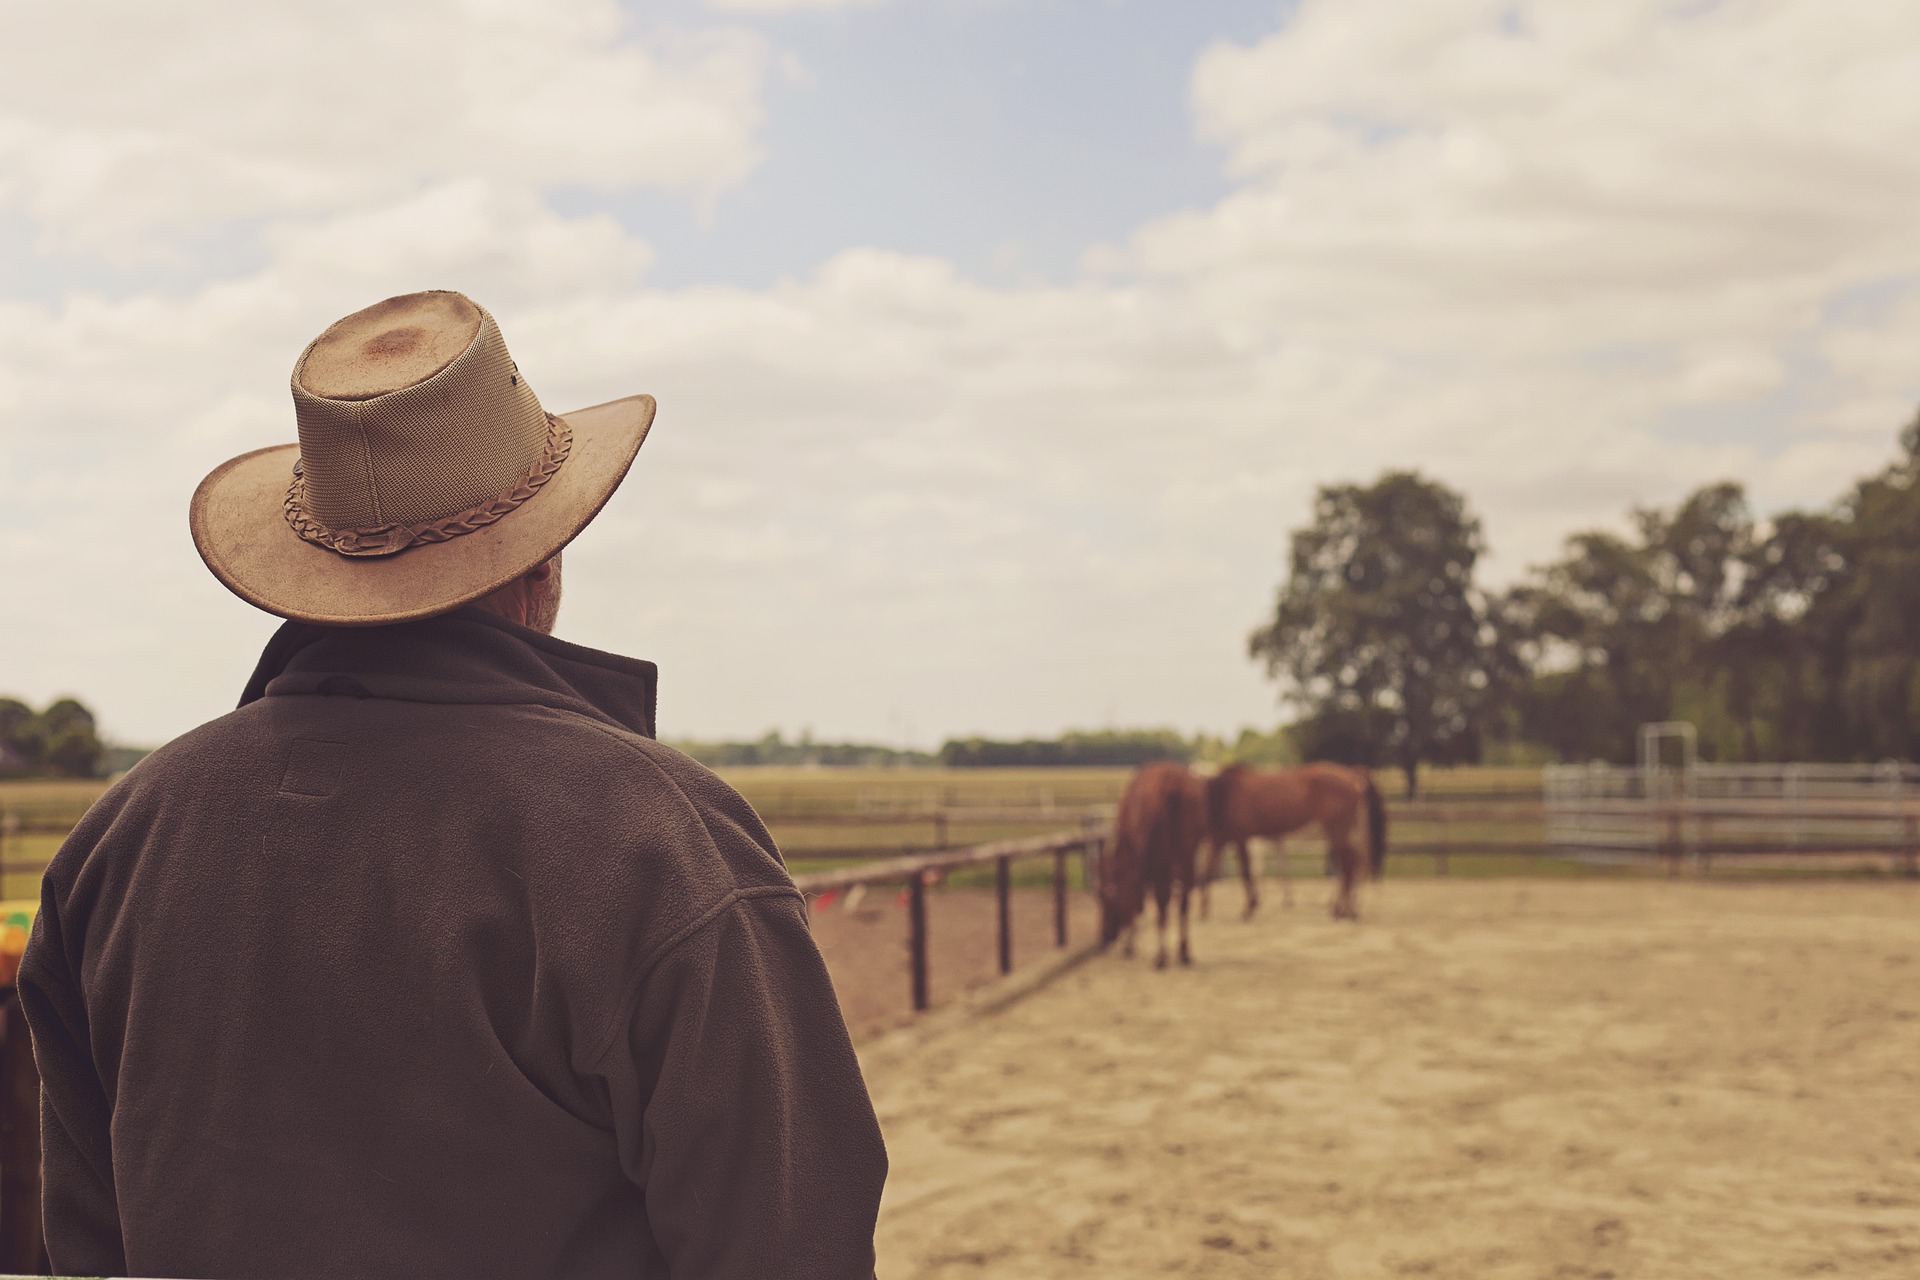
1376, 830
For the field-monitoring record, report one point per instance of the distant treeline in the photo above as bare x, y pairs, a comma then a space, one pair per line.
1085, 750
773, 748
1124, 748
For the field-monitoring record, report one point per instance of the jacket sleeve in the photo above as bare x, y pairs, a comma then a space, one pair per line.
738, 1104
78, 1208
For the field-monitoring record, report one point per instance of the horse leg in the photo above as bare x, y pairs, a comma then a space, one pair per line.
1126, 944
1246, 878
1206, 879
1286, 873
1160, 897
1348, 858
1186, 955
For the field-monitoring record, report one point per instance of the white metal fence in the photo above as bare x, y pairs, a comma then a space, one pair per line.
1701, 811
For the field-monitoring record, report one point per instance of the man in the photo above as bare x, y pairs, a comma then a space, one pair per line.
428, 959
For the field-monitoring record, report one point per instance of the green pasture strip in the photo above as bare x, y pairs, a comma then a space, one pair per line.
79, 792
1464, 832
26, 849
903, 837
776, 789
1028, 873
1461, 782
1309, 864
1486, 866
49, 799
1724, 870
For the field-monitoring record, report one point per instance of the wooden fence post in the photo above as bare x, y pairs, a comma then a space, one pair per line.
1059, 897
917, 938
1003, 891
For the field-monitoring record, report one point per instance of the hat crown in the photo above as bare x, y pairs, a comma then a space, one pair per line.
412, 410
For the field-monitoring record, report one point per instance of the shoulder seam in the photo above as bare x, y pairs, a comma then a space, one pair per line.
652, 961
739, 893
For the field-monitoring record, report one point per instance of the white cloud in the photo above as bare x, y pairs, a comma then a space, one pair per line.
1631, 172
120, 124
1564, 256
788, 6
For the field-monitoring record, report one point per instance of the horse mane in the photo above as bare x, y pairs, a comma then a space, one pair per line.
1166, 827
1158, 827
1217, 788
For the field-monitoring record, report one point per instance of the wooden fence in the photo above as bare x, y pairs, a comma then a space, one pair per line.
1500, 823
14, 825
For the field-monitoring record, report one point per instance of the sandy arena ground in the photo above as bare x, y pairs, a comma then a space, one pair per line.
1635, 1078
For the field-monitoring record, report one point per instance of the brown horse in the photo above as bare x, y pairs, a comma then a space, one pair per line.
1156, 843
1244, 802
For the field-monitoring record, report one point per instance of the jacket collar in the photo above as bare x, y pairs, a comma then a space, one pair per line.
467, 656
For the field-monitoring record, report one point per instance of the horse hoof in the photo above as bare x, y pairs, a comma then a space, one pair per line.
1160, 961
1248, 913
1185, 958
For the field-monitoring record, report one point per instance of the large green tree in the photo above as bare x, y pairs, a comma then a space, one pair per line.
1793, 639
69, 739
1379, 635
62, 740
18, 745
1787, 655
1626, 629
1880, 690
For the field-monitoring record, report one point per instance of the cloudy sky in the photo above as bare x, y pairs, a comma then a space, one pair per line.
998, 343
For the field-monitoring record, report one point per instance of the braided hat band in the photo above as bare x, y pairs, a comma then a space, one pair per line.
387, 539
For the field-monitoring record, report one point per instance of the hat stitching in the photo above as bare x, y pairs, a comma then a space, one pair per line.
366, 460
390, 539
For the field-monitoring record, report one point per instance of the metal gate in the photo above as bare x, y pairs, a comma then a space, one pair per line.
1686, 810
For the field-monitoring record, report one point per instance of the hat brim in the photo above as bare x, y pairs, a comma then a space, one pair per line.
240, 527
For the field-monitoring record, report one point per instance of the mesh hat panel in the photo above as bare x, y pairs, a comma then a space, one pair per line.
450, 442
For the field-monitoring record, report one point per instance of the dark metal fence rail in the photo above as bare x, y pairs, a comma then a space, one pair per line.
916, 873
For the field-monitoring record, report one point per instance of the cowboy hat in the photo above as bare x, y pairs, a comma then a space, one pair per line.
427, 473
